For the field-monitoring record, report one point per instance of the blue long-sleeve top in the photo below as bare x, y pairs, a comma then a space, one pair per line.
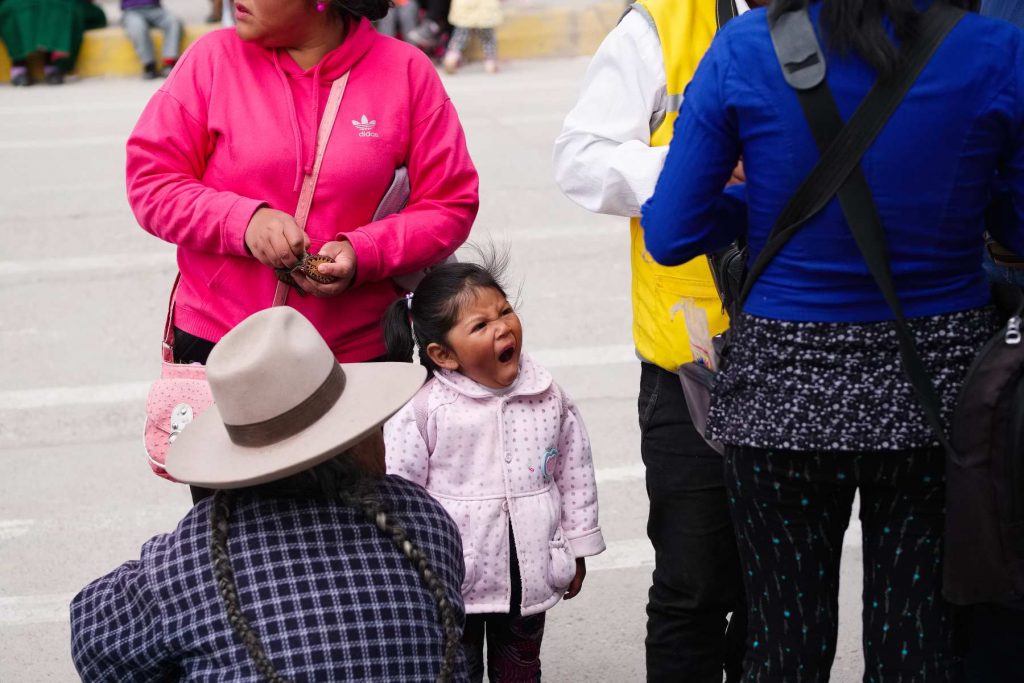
930, 171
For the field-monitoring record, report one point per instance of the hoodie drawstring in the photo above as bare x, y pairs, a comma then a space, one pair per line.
296, 133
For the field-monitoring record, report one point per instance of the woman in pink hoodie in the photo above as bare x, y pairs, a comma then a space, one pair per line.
217, 159
504, 450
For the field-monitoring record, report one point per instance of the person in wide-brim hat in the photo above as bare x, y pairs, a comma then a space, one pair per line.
322, 567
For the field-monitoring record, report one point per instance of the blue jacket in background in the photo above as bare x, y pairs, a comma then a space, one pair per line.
930, 171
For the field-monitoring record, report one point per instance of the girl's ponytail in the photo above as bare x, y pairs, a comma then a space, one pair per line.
398, 332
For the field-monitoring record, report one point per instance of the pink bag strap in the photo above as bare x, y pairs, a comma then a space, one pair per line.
301, 210
309, 182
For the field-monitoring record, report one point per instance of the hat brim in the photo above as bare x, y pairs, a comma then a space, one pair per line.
204, 455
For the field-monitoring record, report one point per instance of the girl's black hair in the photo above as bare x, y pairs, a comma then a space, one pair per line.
340, 478
856, 25
371, 9
434, 308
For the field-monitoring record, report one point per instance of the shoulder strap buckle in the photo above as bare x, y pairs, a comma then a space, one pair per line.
797, 48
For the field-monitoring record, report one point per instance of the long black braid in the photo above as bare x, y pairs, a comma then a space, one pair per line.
374, 512
328, 479
225, 577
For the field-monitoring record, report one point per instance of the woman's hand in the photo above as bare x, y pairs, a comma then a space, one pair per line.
343, 268
577, 581
739, 176
275, 239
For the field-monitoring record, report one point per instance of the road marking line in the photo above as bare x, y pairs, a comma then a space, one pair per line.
98, 394
13, 528
144, 262
615, 475
87, 265
79, 107
633, 553
61, 143
92, 394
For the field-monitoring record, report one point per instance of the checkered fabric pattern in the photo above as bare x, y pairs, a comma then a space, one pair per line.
329, 596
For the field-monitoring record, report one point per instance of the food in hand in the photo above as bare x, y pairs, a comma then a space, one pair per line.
310, 266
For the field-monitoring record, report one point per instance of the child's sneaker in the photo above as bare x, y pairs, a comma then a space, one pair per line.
53, 74
19, 76
451, 61
491, 66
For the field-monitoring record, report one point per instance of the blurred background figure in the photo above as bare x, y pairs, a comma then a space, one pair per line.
222, 11
1010, 10
140, 16
52, 28
470, 17
400, 19
429, 35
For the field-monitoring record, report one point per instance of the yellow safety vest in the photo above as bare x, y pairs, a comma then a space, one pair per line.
685, 29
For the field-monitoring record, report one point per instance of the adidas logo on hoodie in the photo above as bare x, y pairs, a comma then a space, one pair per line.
366, 128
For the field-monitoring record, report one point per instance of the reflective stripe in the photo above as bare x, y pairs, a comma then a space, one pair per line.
674, 103
642, 11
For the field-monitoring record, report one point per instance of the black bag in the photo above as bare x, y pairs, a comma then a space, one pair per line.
984, 559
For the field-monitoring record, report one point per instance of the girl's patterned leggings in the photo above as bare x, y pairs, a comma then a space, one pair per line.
460, 38
513, 646
790, 510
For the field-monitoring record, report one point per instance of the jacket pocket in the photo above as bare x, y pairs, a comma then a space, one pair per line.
561, 562
469, 557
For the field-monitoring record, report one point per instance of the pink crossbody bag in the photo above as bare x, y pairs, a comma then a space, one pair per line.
182, 393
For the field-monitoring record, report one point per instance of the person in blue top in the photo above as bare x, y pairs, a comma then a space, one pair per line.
813, 404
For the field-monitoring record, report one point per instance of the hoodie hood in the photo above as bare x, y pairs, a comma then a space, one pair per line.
532, 380
358, 41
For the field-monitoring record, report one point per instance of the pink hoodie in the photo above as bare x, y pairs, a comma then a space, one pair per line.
520, 457
234, 128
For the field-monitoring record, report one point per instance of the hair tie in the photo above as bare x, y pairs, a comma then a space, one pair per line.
408, 301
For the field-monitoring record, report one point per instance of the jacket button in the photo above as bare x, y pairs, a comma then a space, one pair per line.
504, 505
508, 457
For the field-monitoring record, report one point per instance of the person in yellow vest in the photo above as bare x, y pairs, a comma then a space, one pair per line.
607, 159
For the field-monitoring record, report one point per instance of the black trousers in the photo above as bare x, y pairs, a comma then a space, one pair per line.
696, 581
791, 510
995, 634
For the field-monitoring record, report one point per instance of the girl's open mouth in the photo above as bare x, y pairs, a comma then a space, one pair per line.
506, 355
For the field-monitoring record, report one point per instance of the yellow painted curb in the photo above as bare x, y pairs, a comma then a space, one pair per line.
528, 32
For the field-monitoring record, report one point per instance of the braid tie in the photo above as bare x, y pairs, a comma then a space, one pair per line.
374, 512
225, 577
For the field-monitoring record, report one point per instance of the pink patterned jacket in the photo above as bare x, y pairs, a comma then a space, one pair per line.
493, 458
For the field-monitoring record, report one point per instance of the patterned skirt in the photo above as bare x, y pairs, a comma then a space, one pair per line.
839, 386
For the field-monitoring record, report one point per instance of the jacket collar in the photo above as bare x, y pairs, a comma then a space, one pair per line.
532, 380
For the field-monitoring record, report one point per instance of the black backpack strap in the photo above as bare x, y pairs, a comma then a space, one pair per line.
842, 146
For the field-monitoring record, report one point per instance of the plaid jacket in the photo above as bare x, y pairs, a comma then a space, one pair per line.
329, 596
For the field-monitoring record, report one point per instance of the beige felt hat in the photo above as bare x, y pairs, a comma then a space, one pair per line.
282, 404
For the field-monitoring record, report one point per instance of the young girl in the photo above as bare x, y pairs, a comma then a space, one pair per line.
468, 17
503, 449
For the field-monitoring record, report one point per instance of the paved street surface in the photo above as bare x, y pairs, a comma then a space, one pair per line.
84, 292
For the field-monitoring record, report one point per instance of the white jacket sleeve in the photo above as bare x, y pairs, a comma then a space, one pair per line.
405, 448
577, 485
603, 158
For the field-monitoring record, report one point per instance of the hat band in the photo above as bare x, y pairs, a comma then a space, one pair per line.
294, 420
